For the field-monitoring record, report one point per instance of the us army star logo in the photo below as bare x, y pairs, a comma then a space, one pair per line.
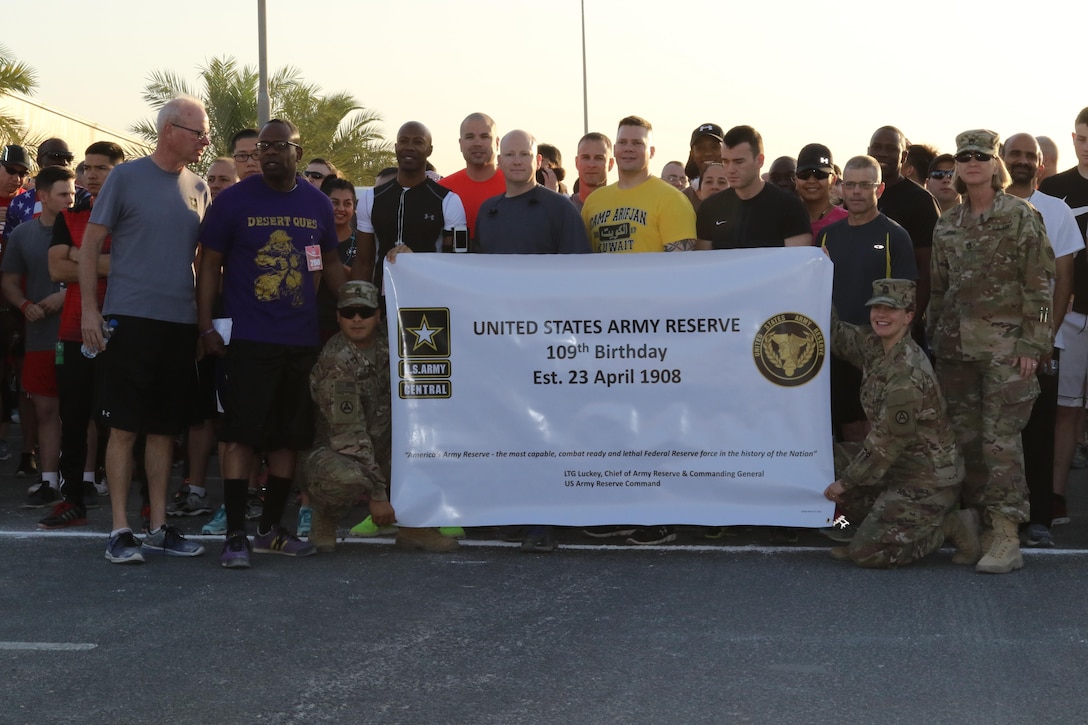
424, 332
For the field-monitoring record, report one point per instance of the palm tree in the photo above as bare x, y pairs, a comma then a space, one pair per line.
15, 77
334, 127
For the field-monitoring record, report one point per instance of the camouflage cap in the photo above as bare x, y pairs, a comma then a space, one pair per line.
892, 293
978, 140
358, 293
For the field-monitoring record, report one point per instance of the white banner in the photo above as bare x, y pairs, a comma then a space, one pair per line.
682, 388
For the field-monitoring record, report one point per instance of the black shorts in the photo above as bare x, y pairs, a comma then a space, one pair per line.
266, 395
147, 376
845, 394
205, 405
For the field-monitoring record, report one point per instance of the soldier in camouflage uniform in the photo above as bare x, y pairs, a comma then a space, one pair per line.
992, 269
904, 478
353, 437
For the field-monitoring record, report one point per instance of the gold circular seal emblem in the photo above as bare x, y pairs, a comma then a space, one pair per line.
789, 349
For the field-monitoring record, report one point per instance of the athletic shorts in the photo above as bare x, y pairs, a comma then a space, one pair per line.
1073, 370
266, 395
40, 373
147, 376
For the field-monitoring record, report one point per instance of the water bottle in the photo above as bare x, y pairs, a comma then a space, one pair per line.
107, 329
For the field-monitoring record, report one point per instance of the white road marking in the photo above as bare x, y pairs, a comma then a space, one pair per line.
489, 543
48, 646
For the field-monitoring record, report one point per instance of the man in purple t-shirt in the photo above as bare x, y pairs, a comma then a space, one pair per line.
268, 239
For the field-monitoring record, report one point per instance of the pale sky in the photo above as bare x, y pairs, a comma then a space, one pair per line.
799, 72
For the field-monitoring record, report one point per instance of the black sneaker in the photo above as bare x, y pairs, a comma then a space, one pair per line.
539, 539
46, 495
64, 515
28, 466
650, 535
254, 506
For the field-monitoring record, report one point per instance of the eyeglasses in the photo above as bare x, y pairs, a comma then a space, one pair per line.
966, 156
938, 174
863, 185
313, 175
200, 135
350, 313
812, 173
676, 177
15, 172
242, 157
263, 146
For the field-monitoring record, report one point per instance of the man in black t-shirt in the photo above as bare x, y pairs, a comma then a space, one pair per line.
909, 205
750, 213
864, 247
1071, 186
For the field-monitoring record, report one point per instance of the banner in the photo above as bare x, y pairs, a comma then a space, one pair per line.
679, 388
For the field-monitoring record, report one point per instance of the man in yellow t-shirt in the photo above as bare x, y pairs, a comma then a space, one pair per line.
640, 212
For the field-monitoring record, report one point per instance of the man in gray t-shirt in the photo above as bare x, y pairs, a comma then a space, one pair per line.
152, 207
24, 279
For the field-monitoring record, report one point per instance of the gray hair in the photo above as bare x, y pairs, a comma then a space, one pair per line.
173, 109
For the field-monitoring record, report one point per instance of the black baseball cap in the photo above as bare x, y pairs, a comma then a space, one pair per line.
707, 129
16, 155
815, 157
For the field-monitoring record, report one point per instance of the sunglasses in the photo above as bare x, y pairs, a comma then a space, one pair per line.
59, 156
277, 145
812, 173
966, 156
15, 172
313, 175
350, 313
946, 174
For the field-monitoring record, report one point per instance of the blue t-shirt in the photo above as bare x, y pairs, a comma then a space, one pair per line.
263, 234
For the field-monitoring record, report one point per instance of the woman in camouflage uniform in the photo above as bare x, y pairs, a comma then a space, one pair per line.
989, 325
904, 478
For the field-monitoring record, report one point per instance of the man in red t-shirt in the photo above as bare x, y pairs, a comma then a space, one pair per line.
480, 179
75, 373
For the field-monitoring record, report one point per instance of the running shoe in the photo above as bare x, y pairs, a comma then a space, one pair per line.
281, 541
235, 552
124, 548
367, 528
218, 525
650, 535
64, 515
305, 520
168, 540
191, 504
46, 495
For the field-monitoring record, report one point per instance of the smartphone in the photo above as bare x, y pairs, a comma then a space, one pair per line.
460, 239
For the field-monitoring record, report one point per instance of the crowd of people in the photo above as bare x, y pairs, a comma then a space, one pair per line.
960, 281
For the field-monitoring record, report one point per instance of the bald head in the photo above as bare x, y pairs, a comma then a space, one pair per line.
1022, 158
415, 128
412, 148
519, 160
1050, 154
519, 138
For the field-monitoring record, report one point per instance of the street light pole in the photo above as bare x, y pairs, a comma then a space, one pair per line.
264, 111
585, 86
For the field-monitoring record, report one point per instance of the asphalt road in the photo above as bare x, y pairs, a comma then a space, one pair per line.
742, 631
